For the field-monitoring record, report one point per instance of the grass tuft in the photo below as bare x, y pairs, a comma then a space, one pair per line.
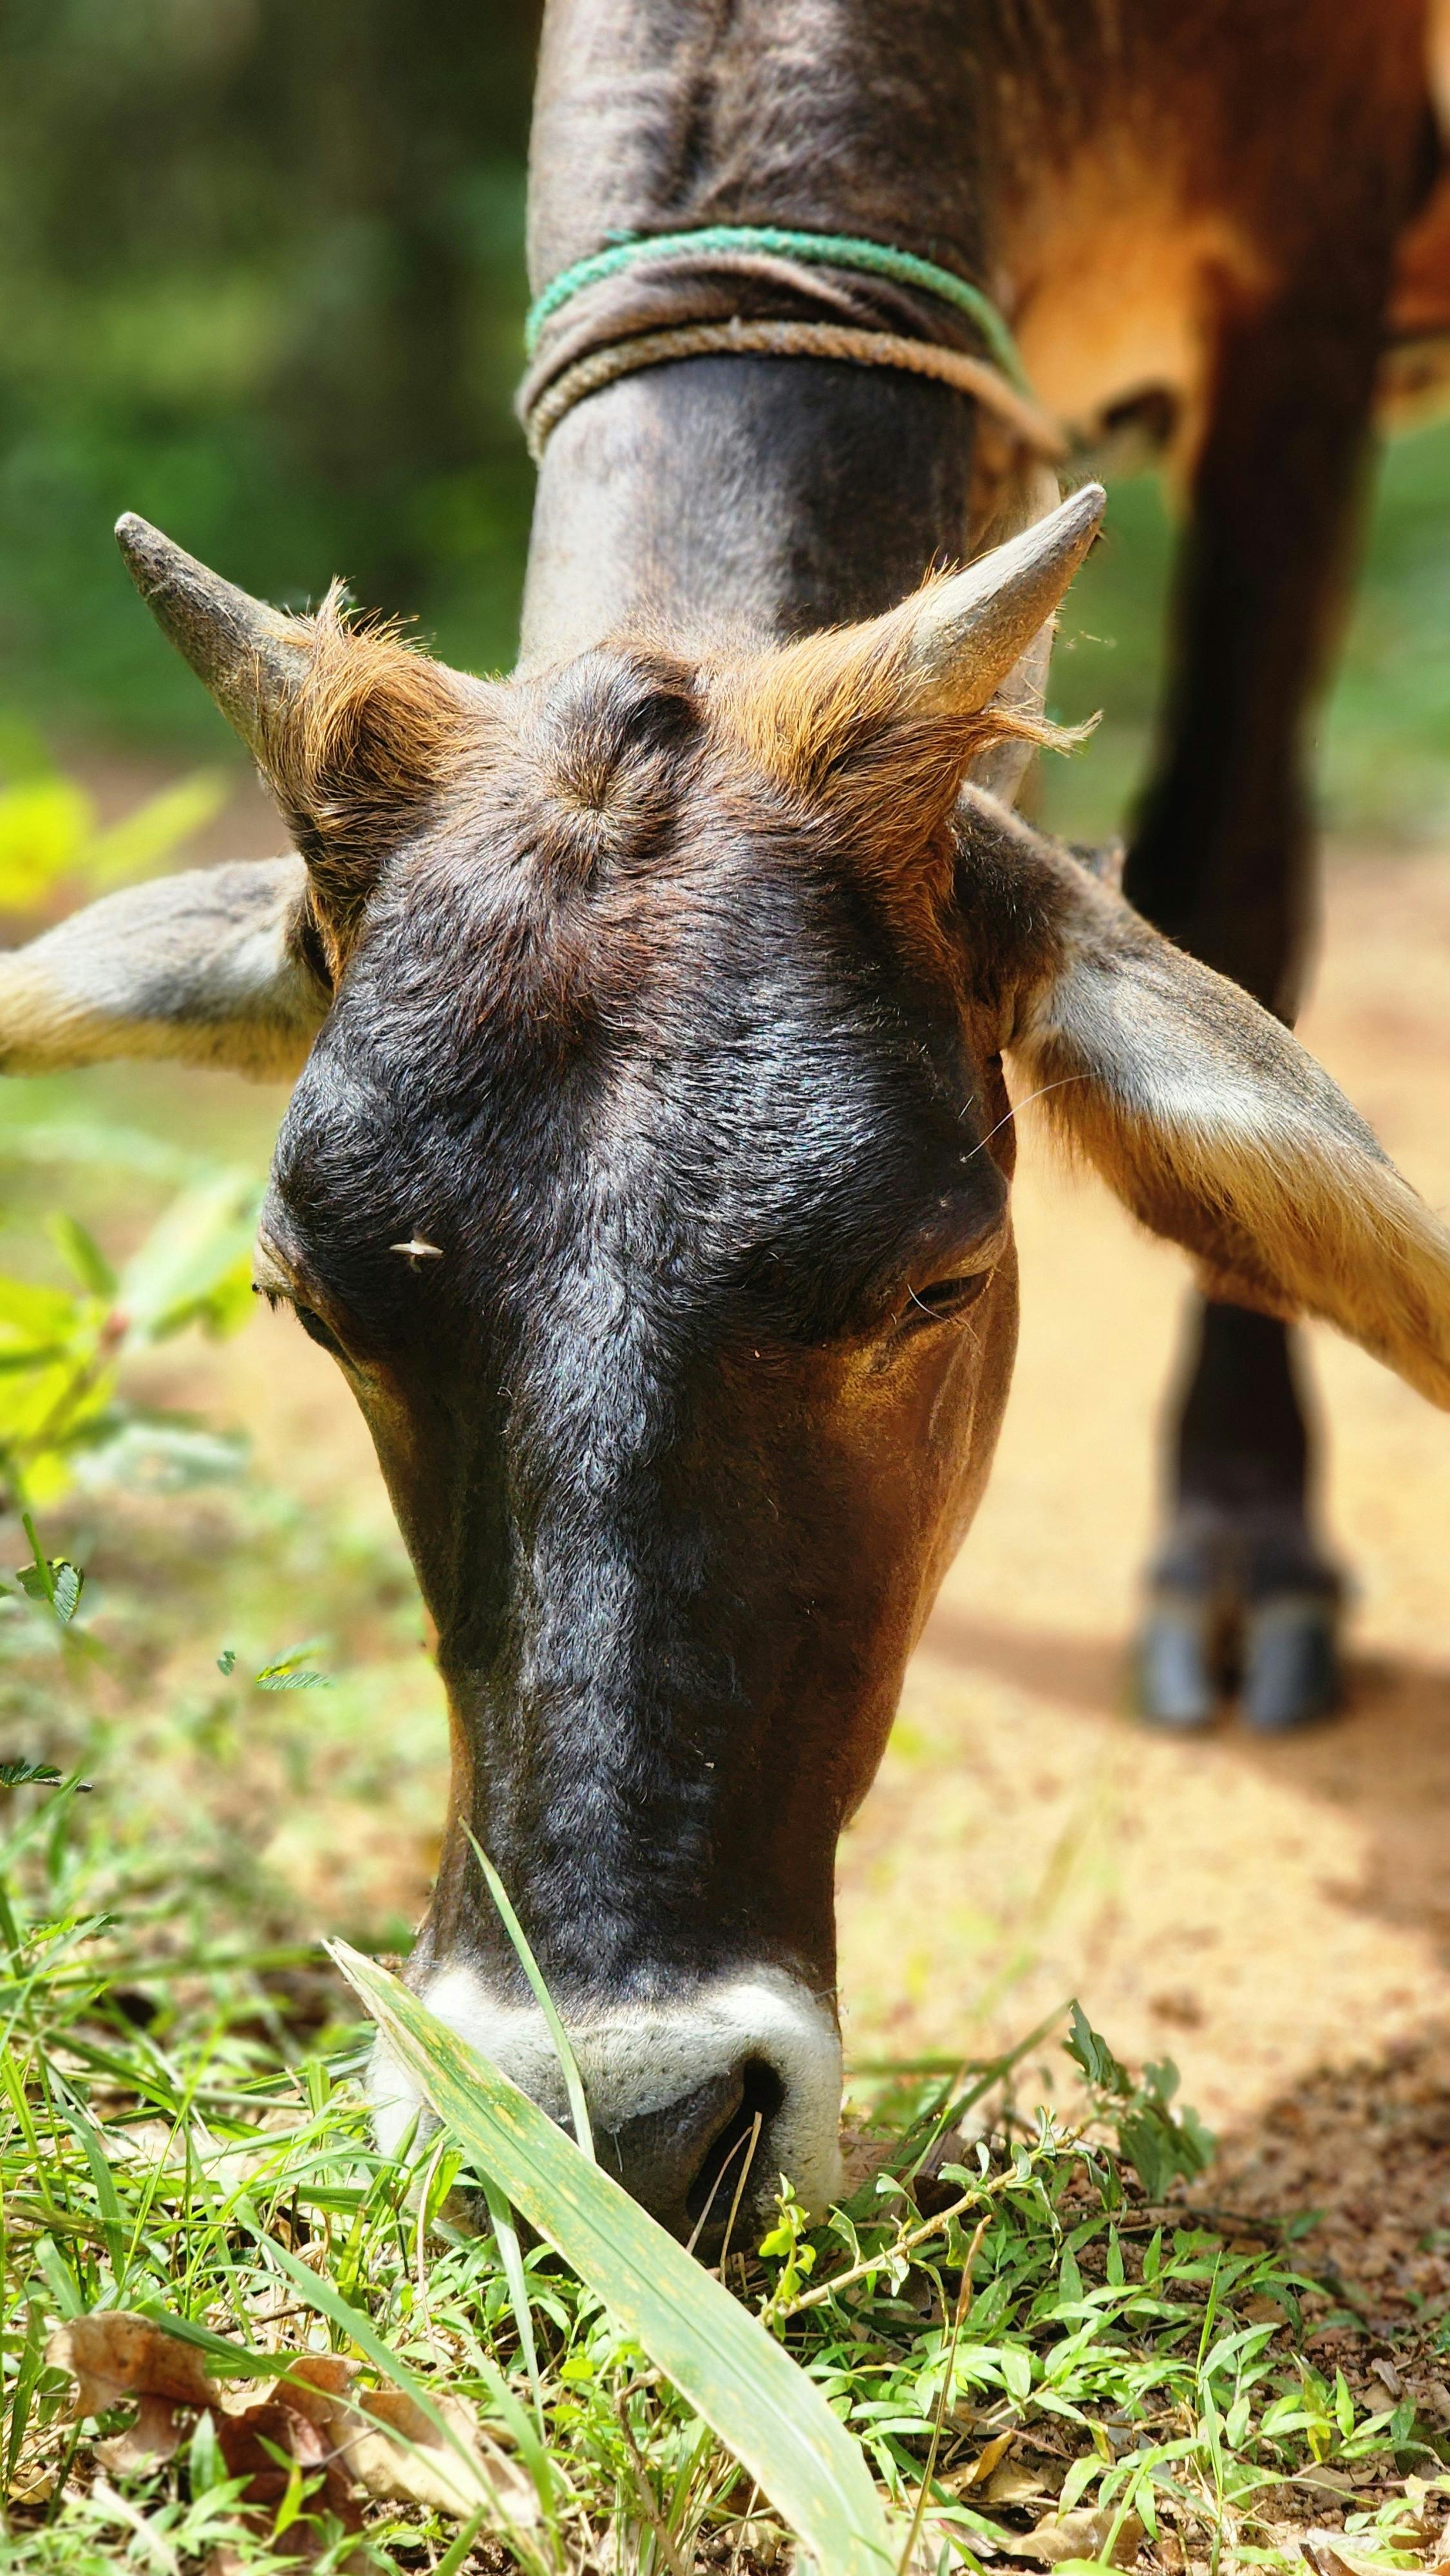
1037, 2361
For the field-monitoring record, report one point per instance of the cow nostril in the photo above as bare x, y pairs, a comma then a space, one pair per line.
711, 2195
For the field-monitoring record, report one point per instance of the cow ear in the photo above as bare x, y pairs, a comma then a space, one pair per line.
1212, 1123
217, 967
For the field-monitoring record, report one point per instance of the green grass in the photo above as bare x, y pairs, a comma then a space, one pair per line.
184, 2137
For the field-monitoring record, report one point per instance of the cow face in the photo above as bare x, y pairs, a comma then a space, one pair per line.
648, 1181
647, 1176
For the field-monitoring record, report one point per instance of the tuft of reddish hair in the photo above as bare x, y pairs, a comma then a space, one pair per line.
356, 756
836, 722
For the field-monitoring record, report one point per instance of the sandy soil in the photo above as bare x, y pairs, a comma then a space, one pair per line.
1274, 1916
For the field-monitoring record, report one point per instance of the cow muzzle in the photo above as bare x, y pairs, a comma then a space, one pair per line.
696, 2103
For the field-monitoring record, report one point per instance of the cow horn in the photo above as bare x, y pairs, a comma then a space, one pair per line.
252, 658
967, 633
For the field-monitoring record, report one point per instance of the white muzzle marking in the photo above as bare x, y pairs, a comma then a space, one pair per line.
639, 2059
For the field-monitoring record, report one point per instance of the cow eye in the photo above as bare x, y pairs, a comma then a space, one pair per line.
941, 1299
272, 1281
317, 1331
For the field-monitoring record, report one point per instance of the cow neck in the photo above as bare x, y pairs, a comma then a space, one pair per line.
743, 498
753, 495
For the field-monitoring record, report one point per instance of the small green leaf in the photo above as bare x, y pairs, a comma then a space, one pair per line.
292, 1672
226, 1661
26, 1775
55, 1580
83, 1256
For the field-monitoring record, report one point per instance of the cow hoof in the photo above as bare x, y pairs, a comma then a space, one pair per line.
1180, 1663
1291, 1672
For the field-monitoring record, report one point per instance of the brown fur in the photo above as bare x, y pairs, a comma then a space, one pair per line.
840, 721
610, 743
359, 754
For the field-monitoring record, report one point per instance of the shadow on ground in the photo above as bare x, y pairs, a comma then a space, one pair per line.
1367, 2147
1385, 1759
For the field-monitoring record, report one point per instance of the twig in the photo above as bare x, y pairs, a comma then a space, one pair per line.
823, 2290
963, 2309
739, 2188
986, 2189
648, 2500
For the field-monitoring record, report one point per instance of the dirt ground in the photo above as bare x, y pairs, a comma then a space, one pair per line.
1274, 1916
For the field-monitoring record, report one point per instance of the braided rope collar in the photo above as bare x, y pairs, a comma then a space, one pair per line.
997, 380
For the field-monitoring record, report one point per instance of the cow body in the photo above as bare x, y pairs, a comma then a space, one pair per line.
1217, 228
647, 1171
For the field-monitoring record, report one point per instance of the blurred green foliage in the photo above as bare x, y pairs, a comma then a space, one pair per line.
261, 278
63, 1415
1381, 737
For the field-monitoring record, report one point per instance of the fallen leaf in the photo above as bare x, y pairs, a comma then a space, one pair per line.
1324, 2551
1015, 2483
1083, 2533
149, 2443
1337, 2482
116, 2355
977, 2471
373, 2442
1337, 2553
399, 2456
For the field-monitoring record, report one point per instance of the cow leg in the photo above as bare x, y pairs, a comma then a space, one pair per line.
1241, 1588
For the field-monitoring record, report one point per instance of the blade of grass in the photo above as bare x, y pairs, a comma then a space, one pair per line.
573, 2080
511, 2255
720, 2358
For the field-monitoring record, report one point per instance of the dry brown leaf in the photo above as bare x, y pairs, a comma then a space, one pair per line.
1337, 2482
378, 2442
399, 2456
1015, 2483
1324, 2552
116, 2355
1083, 2533
149, 2443
977, 2471
1337, 2553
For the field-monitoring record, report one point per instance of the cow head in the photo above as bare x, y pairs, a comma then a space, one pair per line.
647, 1176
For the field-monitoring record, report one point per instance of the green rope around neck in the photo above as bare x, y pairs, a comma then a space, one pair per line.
827, 250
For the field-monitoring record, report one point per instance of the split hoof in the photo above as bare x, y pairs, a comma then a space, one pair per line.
1180, 1674
1291, 1671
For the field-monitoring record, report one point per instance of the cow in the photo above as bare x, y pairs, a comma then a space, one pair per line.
647, 1166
